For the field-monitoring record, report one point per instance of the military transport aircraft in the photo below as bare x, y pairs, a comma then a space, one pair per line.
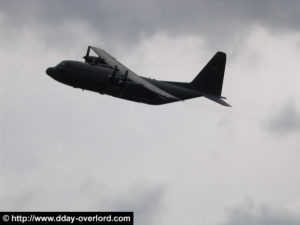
105, 75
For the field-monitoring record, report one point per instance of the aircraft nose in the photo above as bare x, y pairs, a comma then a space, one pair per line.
50, 71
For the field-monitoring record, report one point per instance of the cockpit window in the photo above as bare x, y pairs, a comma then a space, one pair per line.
63, 64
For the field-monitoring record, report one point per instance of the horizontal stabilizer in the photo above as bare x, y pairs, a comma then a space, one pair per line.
216, 99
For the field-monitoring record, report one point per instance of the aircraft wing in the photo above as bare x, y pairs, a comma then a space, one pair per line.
111, 61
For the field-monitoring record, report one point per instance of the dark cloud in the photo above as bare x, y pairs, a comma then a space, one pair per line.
286, 120
145, 202
129, 21
250, 213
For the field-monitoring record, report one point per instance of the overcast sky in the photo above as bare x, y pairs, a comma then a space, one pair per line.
183, 163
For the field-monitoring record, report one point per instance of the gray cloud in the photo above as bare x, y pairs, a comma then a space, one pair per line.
250, 213
64, 149
131, 21
147, 203
286, 120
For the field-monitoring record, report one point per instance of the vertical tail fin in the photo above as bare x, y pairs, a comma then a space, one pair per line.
210, 78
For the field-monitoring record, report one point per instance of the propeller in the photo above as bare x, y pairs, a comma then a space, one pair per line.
87, 54
113, 75
123, 81
125, 78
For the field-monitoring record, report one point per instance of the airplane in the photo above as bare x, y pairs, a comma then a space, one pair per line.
105, 75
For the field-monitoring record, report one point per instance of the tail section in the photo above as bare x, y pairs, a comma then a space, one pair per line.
210, 79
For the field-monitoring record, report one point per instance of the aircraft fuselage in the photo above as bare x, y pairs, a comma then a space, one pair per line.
106, 80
